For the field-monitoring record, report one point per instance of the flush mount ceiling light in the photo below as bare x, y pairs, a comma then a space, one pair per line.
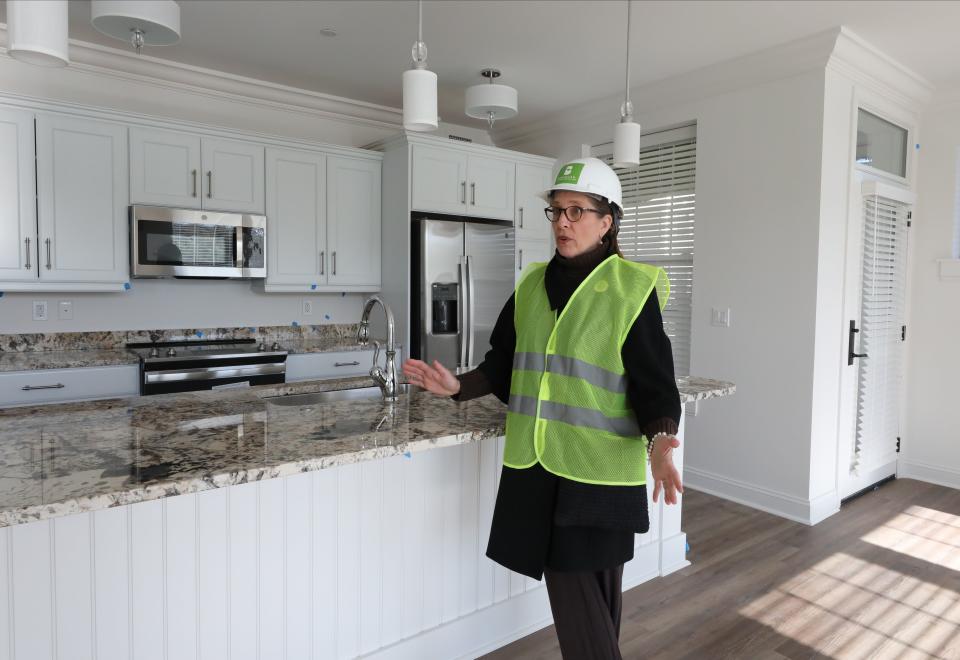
139, 22
37, 32
491, 101
626, 135
419, 86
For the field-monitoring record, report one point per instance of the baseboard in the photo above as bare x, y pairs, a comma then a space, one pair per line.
791, 507
934, 474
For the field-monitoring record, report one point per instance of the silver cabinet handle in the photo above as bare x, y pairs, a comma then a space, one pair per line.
209, 183
473, 193
334, 262
49, 264
463, 192
521, 217
520, 264
321, 261
346, 364
194, 174
28, 388
27, 241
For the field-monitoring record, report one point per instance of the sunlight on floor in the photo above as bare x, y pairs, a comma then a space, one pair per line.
921, 533
845, 607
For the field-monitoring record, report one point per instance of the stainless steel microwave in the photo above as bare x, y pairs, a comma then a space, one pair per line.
167, 242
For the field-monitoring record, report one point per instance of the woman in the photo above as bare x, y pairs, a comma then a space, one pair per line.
580, 355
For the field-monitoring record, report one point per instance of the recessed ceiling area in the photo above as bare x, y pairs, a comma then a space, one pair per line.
558, 54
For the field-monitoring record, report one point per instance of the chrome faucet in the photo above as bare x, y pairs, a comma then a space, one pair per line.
386, 378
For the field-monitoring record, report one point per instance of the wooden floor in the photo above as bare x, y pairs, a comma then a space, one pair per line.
879, 579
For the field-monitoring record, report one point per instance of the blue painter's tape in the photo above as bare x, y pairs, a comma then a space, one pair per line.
251, 329
918, 145
313, 287
407, 454
326, 316
200, 333
1, 294
126, 286
295, 324
343, 293
688, 547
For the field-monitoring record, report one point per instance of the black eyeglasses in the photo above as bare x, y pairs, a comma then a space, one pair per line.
573, 213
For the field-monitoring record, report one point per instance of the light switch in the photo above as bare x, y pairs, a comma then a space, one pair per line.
65, 310
39, 310
720, 317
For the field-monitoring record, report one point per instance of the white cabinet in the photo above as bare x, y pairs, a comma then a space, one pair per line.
323, 222
82, 199
21, 388
18, 209
531, 222
446, 180
342, 364
353, 221
529, 251
182, 170
232, 176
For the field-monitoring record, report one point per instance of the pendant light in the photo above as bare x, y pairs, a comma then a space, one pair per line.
489, 101
37, 32
626, 134
139, 22
419, 86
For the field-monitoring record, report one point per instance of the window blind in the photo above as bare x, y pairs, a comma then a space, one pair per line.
205, 245
659, 210
882, 310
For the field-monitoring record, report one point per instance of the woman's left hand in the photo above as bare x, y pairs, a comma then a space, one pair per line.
665, 474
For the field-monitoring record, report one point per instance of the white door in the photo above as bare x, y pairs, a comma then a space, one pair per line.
233, 176
439, 180
530, 222
18, 208
353, 228
530, 250
82, 197
491, 185
876, 298
296, 218
164, 168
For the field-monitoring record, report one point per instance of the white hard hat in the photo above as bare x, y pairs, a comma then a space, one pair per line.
587, 175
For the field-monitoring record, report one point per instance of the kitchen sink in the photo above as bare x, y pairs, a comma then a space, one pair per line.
354, 394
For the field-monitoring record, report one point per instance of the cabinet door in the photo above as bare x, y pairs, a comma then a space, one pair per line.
296, 218
531, 223
82, 197
491, 189
164, 168
232, 176
18, 209
353, 227
439, 180
529, 251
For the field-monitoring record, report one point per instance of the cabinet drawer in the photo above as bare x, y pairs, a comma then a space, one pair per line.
342, 364
20, 388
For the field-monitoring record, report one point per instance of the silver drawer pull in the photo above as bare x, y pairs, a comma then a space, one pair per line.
28, 388
27, 240
194, 173
48, 254
346, 364
209, 183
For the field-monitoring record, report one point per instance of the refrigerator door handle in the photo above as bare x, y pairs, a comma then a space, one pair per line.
471, 302
462, 313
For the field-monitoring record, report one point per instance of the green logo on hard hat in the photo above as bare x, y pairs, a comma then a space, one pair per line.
569, 174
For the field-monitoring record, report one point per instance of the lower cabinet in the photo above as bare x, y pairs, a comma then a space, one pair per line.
342, 364
22, 388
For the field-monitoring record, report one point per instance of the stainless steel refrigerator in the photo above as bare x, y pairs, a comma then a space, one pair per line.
462, 276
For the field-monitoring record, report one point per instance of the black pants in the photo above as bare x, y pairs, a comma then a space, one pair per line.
586, 609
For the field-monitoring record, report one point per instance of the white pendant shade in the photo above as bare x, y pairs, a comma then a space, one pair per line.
488, 101
419, 100
37, 32
158, 20
626, 144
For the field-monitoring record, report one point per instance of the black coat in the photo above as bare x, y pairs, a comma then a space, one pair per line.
541, 519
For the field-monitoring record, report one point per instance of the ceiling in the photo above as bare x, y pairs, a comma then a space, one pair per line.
557, 53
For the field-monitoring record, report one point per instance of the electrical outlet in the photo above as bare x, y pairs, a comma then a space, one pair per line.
720, 317
65, 310
39, 310
307, 307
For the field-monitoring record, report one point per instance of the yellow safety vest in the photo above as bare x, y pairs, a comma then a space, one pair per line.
568, 408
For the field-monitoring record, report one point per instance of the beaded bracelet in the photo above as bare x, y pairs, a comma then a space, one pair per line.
650, 442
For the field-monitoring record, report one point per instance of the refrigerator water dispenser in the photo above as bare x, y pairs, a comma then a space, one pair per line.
444, 308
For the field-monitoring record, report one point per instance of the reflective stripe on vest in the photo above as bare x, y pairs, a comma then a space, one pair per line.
568, 408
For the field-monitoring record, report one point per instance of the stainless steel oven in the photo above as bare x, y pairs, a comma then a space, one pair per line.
167, 242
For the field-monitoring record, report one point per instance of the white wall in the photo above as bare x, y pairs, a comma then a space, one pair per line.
931, 427
117, 80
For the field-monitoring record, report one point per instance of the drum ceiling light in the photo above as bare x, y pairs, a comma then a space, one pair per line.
419, 86
626, 134
139, 22
37, 32
491, 101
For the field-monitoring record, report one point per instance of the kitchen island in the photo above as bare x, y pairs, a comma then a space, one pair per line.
230, 524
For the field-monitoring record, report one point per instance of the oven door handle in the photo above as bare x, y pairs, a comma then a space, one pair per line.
214, 373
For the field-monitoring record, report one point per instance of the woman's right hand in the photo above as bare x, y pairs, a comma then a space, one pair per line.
434, 378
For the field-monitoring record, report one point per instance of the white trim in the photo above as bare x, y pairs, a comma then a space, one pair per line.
934, 474
406, 138
881, 189
808, 512
949, 269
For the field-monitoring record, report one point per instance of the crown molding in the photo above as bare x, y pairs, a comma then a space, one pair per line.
409, 138
125, 65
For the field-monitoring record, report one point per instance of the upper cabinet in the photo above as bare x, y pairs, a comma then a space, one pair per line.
18, 209
181, 170
81, 200
462, 183
531, 222
353, 221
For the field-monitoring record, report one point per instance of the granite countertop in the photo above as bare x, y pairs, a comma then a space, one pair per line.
66, 458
